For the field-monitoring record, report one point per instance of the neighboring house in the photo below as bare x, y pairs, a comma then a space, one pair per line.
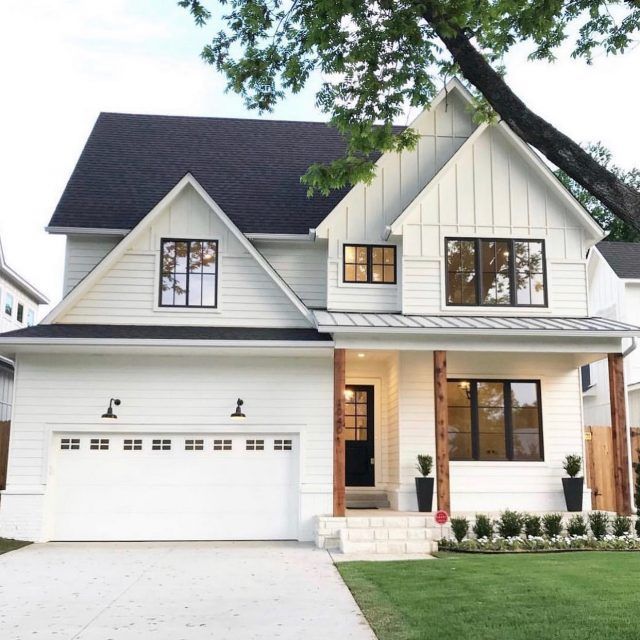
614, 292
19, 300
449, 296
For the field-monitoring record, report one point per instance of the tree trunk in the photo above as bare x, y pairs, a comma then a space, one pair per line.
621, 199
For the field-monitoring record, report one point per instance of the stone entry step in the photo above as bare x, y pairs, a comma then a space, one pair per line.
376, 535
366, 499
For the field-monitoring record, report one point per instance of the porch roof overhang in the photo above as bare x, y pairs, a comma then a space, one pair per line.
590, 336
94, 338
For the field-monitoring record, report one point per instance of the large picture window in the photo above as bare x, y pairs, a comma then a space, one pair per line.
366, 263
189, 273
495, 272
495, 420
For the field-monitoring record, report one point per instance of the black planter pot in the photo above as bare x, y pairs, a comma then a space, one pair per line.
424, 491
573, 489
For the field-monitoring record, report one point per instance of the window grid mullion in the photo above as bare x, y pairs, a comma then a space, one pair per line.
475, 421
508, 421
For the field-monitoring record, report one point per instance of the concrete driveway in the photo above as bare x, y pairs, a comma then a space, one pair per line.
175, 591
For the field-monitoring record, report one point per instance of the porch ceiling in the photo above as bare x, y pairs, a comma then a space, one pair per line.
397, 323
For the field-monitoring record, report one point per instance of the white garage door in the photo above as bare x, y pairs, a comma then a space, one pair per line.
169, 486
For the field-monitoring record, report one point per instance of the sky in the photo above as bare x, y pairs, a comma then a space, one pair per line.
64, 62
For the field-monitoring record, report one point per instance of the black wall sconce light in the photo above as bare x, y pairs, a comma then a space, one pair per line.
109, 413
237, 414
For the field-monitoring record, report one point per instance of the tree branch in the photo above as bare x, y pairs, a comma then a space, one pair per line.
620, 198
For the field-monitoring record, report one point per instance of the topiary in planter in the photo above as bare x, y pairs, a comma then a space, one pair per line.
577, 526
483, 527
533, 526
460, 528
552, 524
621, 526
510, 524
599, 523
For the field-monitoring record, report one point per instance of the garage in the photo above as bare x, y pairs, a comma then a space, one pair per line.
175, 486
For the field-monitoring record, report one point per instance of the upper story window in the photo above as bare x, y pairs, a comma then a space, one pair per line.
20, 312
496, 272
8, 304
31, 317
189, 273
367, 263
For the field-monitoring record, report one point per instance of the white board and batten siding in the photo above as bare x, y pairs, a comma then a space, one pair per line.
128, 292
169, 397
490, 190
365, 212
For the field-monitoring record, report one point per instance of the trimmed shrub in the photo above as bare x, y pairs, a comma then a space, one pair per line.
532, 526
460, 528
577, 526
572, 465
510, 524
621, 526
599, 523
483, 528
424, 464
552, 524
638, 527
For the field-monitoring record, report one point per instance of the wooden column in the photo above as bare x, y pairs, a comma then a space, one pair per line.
442, 430
619, 434
338, 432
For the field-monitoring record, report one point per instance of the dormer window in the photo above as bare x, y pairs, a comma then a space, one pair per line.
189, 273
496, 272
368, 263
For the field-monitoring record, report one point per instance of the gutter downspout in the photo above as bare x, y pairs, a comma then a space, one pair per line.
628, 351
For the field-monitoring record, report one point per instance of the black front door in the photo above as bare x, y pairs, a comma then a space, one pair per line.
359, 436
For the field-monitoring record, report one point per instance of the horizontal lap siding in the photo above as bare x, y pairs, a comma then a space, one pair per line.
162, 393
479, 486
303, 266
82, 255
363, 297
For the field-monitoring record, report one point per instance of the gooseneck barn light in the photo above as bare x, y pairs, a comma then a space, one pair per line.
109, 413
237, 414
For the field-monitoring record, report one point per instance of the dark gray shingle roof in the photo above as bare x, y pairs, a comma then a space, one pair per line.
151, 332
623, 257
251, 168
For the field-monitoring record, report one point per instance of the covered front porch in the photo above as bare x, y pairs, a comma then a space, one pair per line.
497, 411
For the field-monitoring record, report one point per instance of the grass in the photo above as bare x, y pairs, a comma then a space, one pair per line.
573, 596
11, 545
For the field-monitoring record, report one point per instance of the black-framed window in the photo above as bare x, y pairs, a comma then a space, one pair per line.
189, 273
496, 272
369, 263
495, 420
20, 312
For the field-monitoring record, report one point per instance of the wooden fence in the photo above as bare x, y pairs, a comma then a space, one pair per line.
599, 465
4, 452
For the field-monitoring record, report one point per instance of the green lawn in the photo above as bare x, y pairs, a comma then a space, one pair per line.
11, 545
572, 596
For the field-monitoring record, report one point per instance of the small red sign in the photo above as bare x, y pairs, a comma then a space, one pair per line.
442, 517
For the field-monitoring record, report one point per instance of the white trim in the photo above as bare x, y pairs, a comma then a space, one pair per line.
75, 295
441, 331
165, 342
280, 237
93, 231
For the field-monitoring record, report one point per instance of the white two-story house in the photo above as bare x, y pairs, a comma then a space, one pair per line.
272, 353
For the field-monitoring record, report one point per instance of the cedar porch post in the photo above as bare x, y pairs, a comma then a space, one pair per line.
442, 428
619, 433
338, 433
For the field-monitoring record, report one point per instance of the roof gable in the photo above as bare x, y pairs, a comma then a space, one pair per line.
137, 235
19, 282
